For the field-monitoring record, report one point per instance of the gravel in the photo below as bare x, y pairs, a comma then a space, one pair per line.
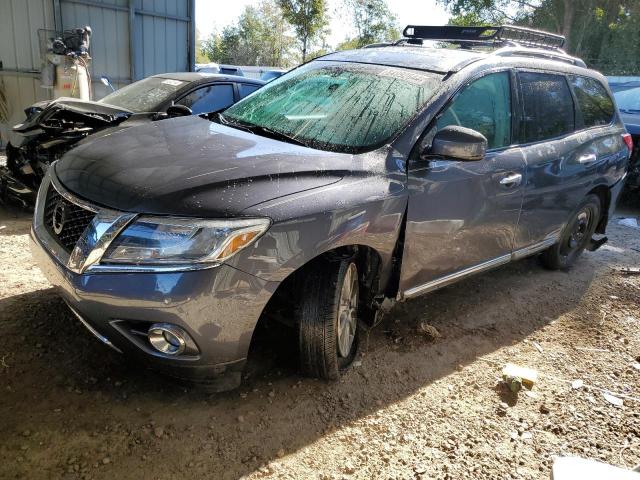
417, 406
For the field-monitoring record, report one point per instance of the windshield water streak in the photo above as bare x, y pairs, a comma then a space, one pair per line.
336, 106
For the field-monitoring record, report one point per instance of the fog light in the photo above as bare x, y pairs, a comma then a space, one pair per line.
168, 339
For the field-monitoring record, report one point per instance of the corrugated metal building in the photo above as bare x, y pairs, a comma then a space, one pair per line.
131, 39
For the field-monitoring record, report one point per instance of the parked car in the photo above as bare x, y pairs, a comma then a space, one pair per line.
359, 179
221, 69
52, 128
627, 96
269, 75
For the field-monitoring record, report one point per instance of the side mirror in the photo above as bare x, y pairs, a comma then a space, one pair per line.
107, 83
458, 143
179, 111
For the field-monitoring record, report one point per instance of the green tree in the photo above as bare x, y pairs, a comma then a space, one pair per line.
260, 36
606, 33
309, 19
373, 22
200, 56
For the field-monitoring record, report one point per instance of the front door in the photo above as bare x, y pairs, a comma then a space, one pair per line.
462, 216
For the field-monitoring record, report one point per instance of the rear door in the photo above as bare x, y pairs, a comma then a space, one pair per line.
462, 215
566, 140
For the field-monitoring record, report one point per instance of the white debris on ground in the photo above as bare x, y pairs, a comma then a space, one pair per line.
425, 399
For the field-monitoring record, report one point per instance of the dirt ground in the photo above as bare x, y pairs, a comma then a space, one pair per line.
414, 405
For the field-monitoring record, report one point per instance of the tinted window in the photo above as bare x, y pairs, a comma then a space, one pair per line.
246, 89
484, 106
209, 99
594, 103
548, 106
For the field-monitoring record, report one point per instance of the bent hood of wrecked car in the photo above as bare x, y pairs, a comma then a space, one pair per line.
40, 111
190, 166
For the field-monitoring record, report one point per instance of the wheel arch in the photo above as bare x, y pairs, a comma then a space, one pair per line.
370, 268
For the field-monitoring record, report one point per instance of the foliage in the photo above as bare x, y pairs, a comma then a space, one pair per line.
259, 37
605, 33
309, 19
373, 22
200, 56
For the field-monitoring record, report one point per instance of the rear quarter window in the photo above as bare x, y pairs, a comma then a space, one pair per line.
548, 110
247, 88
595, 106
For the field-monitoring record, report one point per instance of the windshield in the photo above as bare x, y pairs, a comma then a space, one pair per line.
628, 98
347, 107
144, 96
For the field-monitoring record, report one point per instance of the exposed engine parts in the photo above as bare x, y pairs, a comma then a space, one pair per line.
51, 128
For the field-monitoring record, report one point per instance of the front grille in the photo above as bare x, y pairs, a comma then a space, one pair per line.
65, 221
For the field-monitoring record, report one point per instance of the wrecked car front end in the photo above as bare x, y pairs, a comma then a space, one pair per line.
50, 130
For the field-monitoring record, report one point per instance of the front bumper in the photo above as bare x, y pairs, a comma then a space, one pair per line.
218, 307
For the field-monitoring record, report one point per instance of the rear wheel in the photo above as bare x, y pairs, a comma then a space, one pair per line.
328, 319
575, 236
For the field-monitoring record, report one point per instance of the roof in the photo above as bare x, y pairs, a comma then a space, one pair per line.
440, 60
198, 76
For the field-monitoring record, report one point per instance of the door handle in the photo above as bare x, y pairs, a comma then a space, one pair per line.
512, 180
587, 158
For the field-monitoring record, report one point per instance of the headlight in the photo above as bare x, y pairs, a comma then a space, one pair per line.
160, 240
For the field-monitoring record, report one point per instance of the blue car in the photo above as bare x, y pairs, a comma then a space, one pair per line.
627, 95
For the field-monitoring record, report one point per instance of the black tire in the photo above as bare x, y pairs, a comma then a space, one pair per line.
575, 235
318, 320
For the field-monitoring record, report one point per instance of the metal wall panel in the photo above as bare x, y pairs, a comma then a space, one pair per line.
20, 21
162, 34
109, 22
131, 39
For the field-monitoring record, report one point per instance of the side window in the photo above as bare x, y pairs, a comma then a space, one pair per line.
595, 104
485, 106
209, 99
246, 88
548, 106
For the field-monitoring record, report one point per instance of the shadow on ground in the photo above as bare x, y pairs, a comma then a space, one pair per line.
65, 395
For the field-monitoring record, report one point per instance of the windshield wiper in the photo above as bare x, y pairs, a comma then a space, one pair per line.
268, 132
222, 120
629, 110
259, 130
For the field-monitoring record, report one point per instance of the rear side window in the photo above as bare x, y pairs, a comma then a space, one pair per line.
209, 99
246, 88
484, 106
548, 106
595, 106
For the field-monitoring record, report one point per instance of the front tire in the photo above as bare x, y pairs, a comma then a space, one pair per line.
575, 236
328, 319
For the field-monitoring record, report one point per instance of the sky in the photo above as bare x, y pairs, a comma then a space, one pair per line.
212, 14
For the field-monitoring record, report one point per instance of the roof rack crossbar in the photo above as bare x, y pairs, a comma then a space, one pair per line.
502, 33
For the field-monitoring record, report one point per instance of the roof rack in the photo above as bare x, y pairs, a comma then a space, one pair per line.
505, 34
548, 54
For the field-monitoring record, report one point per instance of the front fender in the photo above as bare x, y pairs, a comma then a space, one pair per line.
366, 211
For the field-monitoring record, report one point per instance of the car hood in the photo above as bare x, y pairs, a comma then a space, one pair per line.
631, 122
101, 112
193, 167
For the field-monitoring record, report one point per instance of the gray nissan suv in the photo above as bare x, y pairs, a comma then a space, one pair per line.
354, 181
